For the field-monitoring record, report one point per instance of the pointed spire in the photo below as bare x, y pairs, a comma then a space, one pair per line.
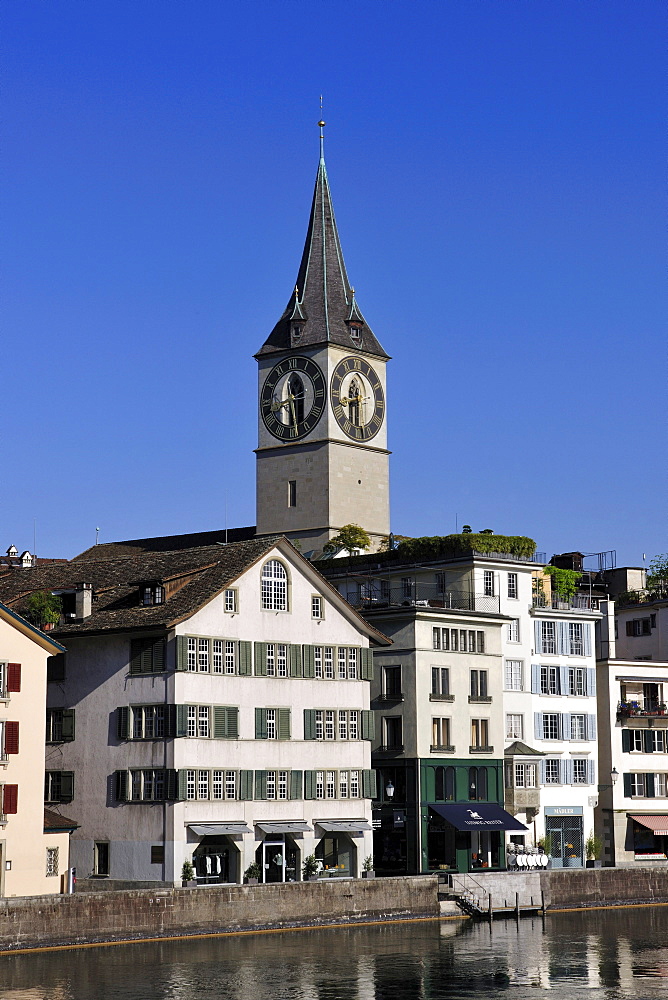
327, 304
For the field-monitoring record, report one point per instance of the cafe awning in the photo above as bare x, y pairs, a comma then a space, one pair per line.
478, 816
344, 825
658, 824
285, 826
219, 829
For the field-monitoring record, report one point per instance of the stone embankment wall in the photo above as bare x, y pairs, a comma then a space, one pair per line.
43, 921
605, 886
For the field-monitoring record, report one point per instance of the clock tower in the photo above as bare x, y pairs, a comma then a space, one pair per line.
322, 458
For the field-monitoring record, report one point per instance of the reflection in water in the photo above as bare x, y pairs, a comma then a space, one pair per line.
601, 955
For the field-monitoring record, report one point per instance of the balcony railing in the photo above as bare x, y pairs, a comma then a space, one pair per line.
390, 749
580, 602
415, 594
642, 708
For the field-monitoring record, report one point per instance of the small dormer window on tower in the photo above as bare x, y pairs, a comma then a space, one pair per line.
355, 331
152, 593
297, 330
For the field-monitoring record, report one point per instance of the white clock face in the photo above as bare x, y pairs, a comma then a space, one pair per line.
293, 398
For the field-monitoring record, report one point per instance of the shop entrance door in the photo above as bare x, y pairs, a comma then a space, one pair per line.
273, 858
566, 841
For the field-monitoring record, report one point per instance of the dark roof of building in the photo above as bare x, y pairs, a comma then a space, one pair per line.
323, 302
519, 749
197, 575
166, 543
54, 822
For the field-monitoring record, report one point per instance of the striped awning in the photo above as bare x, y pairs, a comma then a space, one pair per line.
657, 823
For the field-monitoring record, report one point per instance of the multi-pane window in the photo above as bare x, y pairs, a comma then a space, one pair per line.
406, 586
230, 784
658, 740
270, 786
440, 733
316, 606
148, 722
512, 586
277, 659
59, 725
393, 731
202, 784
488, 583
440, 682
57, 786
577, 681
153, 594
230, 600
51, 861
271, 723
551, 726
217, 784
147, 785
197, 721
577, 727
478, 684
319, 784
660, 785
317, 661
330, 784
274, 586
552, 771
458, 640
548, 637
549, 680
343, 673
479, 733
329, 663
636, 741
192, 653
525, 775
392, 682
637, 784
203, 655
514, 630
329, 725
514, 727
352, 664
209, 784
514, 675
579, 771
576, 639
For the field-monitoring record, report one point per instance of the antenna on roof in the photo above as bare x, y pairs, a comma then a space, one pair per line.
226, 517
97, 535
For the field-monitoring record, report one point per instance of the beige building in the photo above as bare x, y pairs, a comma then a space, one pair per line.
34, 843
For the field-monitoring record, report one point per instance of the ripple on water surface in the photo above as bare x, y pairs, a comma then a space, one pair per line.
603, 955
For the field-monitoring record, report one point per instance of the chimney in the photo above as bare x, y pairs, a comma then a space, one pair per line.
605, 628
83, 600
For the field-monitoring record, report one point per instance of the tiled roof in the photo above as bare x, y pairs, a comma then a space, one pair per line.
115, 583
323, 301
166, 543
53, 822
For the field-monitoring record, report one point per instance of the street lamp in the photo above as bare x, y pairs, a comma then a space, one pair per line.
389, 790
614, 774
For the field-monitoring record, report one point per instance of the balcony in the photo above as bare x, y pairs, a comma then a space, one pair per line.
374, 594
480, 699
389, 750
389, 698
437, 748
644, 709
580, 602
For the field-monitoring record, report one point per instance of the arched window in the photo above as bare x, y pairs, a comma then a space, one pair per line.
354, 410
295, 408
439, 784
274, 586
449, 784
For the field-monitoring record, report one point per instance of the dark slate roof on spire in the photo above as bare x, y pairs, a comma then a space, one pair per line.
323, 302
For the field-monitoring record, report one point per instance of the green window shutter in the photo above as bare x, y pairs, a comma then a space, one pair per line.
366, 670
260, 723
260, 659
626, 740
648, 737
260, 784
122, 722
232, 723
627, 786
245, 658
181, 720
649, 786
158, 651
283, 723
68, 724
170, 720
368, 725
295, 661
121, 783
171, 784
296, 778
309, 784
66, 786
309, 723
245, 784
369, 784
219, 722
136, 648
181, 783
182, 652
308, 659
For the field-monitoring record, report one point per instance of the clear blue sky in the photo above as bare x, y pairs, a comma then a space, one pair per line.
497, 168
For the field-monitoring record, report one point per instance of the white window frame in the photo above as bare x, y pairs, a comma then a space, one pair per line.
274, 586
514, 630
514, 726
514, 675
317, 607
513, 586
488, 582
231, 601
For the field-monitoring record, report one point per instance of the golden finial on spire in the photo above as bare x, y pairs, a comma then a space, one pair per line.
321, 125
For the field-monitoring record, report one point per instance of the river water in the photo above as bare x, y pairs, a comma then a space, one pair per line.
601, 954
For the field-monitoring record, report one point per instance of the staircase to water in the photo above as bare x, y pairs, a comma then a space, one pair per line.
493, 895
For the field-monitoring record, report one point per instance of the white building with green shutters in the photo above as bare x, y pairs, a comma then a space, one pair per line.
219, 701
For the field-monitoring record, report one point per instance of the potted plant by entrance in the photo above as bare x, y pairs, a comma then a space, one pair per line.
253, 873
367, 867
593, 849
310, 869
188, 879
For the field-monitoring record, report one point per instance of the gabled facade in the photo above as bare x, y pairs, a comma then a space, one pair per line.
213, 707
34, 847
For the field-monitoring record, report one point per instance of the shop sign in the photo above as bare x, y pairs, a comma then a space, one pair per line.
563, 810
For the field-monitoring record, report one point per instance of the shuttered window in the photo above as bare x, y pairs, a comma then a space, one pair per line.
10, 799
341, 784
272, 724
147, 656
58, 786
13, 677
11, 737
59, 725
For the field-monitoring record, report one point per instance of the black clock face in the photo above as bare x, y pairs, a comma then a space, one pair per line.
293, 398
357, 399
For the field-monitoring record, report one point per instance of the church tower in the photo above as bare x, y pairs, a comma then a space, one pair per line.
322, 458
